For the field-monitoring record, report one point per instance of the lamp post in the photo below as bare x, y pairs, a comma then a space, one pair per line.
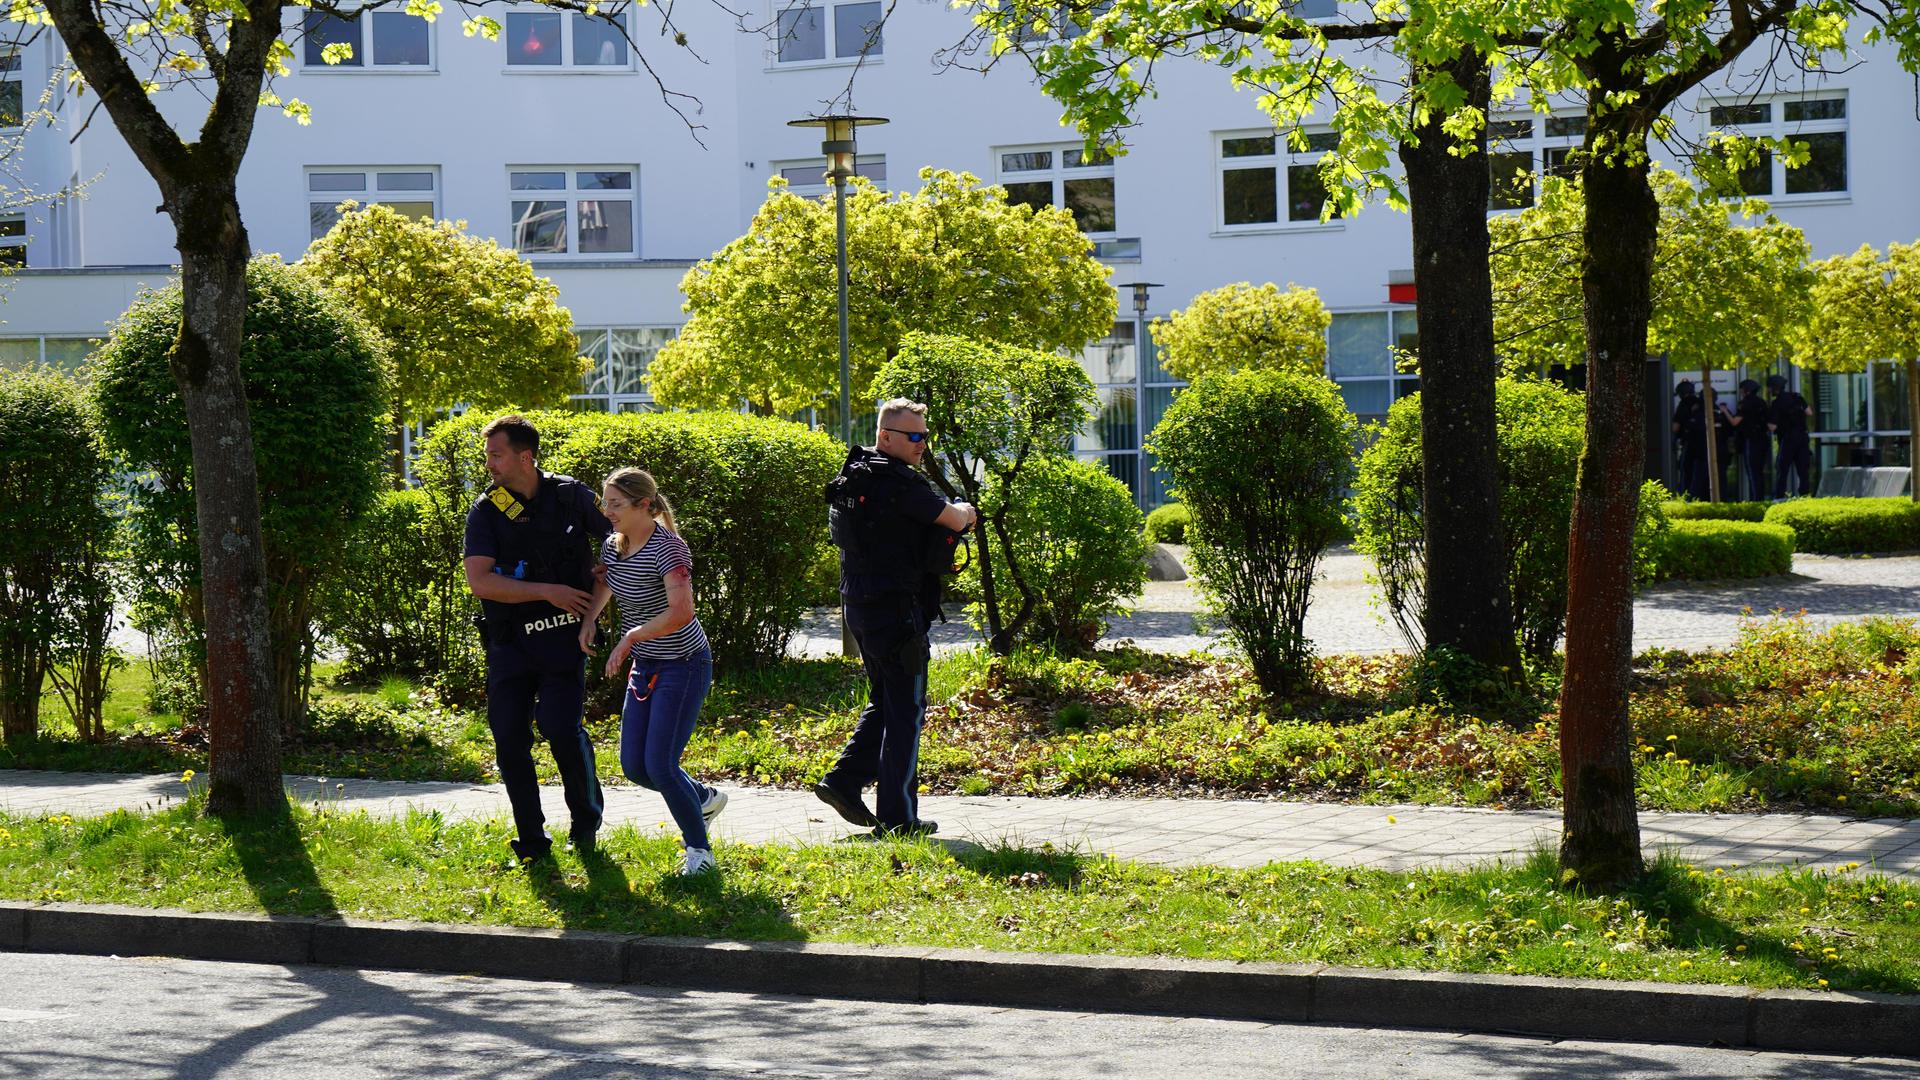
1140, 385
838, 147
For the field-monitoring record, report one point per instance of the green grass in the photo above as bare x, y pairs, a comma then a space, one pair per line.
1788, 719
1850, 929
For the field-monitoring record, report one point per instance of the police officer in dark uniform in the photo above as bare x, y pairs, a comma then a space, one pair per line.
530, 549
1690, 425
1788, 414
1751, 438
895, 533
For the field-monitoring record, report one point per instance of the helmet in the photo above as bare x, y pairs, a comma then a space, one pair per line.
1748, 386
1777, 383
1684, 388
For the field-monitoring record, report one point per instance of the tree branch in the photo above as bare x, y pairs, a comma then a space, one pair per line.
99, 58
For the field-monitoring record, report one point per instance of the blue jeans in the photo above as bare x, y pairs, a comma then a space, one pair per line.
663, 701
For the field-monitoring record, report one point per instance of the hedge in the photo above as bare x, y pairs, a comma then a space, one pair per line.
746, 491
1688, 510
1850, 526
1168, 524
1707, 550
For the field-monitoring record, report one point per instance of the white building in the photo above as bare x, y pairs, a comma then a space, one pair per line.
555, 140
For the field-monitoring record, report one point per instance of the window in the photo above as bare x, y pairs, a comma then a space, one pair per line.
13, 239
573, 211
809, 177
13, 103
617, 382
1819, 121
411, 191
817, 30
379, 39
1361, 358
1521, 149
556, 40
65, 353
1066, 176
1264, 174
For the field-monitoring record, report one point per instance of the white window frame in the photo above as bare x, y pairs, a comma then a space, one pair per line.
11, 244
10, 75
596, 390
567, 64
363, 62
1778, 126
572, 194
1058, 172
830, 10
1563, 131
1398, 383
370, 190
871, 166
1284, 156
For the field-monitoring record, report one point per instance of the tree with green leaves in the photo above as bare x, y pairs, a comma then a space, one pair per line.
1867, 308
993, 409
1730, 283
1100, 60
126, 51
951, 258
1243, 326
465, 320
52, 472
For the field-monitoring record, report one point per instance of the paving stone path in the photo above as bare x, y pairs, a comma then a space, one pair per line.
1344, 617
1176, 832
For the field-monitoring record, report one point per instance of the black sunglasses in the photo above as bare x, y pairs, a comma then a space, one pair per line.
912, 436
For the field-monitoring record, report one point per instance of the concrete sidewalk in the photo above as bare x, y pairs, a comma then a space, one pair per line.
1174, 832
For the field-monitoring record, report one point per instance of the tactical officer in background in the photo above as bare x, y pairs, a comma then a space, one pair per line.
896, 535
1690, 430
529, 553
1787, 416
1751, 438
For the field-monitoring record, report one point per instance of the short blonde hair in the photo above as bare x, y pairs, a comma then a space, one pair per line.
897, 407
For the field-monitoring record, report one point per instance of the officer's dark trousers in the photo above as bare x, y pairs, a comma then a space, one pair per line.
885, 748
1693, 471
522, 691
1795, 455
1753, 469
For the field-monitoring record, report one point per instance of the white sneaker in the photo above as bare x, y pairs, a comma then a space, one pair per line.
699, 861
715, 803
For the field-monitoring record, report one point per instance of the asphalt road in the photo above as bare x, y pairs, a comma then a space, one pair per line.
93, 1017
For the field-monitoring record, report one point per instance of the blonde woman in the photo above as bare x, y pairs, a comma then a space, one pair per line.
649, 567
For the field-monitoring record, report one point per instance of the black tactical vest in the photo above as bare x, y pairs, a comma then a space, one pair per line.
882, 551
546, 540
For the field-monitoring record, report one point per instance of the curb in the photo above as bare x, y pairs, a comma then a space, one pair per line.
1851, 1023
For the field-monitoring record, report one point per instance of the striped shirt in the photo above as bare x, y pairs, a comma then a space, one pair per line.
639, 582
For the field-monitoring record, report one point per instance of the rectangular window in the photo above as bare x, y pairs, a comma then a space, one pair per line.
13, 239
1362, 353
809, 178
375, 39
1819, 121
1520, 150
579, 211
617, 382
413, 191
552, 40
1065, 176
1263, 174
818, 30
13, 99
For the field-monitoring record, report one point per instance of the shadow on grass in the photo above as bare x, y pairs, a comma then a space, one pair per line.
274, 861
604, 898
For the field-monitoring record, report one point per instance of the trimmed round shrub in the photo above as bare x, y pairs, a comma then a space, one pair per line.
1260, 458
1688, 510
1077, 535
1168, 524
52, 470
1542, 431
1850, 526
391, 602
316, 389
1711, 550
746, 491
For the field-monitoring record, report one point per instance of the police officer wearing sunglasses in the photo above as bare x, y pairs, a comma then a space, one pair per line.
895, 533
529, 556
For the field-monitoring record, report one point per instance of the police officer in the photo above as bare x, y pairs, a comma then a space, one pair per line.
1690, 426
1751, 437
1788, 415
529, 552
894, 531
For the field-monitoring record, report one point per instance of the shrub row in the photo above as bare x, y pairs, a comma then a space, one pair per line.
1688, 510
1850, 526
1695, 549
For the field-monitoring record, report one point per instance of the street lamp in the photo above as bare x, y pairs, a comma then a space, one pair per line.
839, 149
1140, 383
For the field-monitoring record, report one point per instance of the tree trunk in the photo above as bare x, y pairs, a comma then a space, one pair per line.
1711, 403
1913, 428
24, 664
1600, 840
1468, 603
243, 725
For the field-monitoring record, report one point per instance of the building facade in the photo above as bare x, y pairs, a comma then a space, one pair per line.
557, 141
